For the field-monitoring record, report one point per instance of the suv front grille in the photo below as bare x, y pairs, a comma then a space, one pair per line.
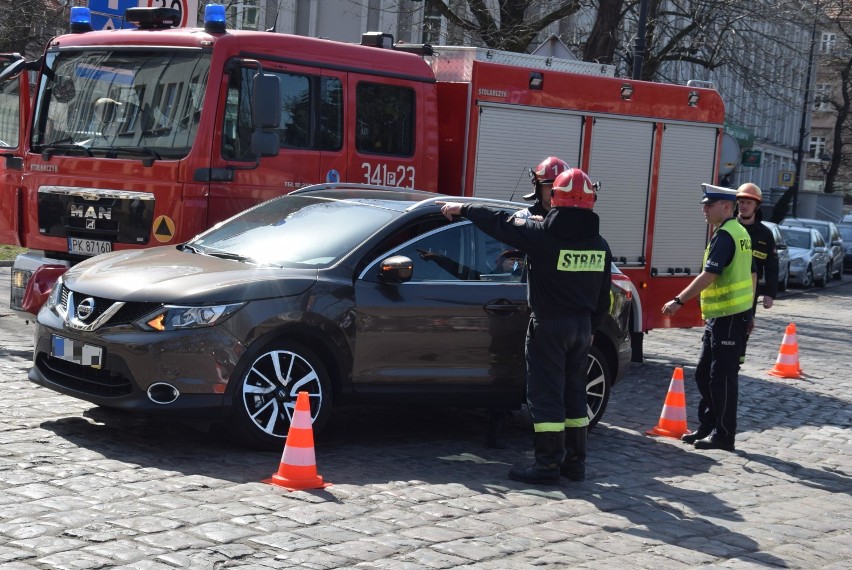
100, 382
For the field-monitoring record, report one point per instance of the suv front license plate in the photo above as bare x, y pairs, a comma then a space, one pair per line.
76, 351
88, 246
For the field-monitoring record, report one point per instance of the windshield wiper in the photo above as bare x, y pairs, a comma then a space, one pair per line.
228, 255
149, 154
48, 150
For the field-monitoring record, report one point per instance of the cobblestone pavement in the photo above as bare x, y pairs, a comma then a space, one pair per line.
85, 487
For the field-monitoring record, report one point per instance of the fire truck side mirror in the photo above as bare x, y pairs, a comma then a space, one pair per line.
265, 114
265, 101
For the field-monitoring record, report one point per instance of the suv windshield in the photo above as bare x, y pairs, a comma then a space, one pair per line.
120, 103
845, 233
294, 231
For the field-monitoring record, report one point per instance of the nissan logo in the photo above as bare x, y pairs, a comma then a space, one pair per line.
85, 308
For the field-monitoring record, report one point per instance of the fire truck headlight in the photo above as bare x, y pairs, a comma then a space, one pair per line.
170, 317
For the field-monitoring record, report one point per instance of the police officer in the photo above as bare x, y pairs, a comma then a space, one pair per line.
568, 291
726, 287
542, 176
749, 198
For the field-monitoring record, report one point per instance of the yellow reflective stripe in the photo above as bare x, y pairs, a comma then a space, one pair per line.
548, 426
581, 260
759, 254
577, 422
732, 289
710, 308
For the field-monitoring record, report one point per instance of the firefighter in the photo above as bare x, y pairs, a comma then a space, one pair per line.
749, 198
726, 287
568, 291
542, 177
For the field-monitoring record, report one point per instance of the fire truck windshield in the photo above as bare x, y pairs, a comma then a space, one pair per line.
120, 103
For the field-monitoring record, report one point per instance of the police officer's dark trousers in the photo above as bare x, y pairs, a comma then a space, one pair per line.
716, 375
556, 354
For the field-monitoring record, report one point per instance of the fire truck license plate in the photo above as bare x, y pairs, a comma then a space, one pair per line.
88, 246
76, 351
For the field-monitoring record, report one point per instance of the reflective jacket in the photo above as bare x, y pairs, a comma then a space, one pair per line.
569, 261
732, 292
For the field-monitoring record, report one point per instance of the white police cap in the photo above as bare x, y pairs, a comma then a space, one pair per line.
715, 193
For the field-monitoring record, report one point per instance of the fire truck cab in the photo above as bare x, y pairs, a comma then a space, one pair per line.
148, 136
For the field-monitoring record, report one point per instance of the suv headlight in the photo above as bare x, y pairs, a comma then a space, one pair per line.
171, 317
55, 298
797, 262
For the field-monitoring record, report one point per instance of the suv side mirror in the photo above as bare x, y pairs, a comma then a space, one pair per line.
396, 269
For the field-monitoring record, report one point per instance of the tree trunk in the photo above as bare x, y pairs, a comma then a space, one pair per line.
603, 39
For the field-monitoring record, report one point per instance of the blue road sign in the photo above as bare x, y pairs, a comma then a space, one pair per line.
109, 14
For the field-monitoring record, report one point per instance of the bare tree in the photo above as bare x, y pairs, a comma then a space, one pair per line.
514, 25
837, 63
27, 25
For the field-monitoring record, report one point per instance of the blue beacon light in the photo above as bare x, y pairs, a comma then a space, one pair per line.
81, 20
214, 18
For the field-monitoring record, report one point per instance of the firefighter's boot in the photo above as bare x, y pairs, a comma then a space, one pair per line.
574, 465
549, 450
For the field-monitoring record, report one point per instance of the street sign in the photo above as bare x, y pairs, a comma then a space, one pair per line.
786, 178
751, 158
188, 10
109, 14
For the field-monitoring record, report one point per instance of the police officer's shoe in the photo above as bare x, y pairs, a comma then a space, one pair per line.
536, 474
691, 438
715, 442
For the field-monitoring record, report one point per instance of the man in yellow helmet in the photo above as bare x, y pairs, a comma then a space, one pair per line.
726, 288
749, 198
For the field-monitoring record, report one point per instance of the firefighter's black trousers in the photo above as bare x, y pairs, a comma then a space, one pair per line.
557, 349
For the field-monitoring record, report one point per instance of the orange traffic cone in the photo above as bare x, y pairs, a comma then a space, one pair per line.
787, 365
298, 468
673, 418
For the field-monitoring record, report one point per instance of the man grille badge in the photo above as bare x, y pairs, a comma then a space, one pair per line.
85, 308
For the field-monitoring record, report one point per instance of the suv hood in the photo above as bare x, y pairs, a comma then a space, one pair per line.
167, 275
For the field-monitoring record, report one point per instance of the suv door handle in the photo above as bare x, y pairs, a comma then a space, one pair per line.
505, 306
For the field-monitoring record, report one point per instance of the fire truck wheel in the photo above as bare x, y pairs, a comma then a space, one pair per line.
265, 399
598, 385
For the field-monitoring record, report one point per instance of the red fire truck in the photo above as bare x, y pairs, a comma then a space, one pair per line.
148, 136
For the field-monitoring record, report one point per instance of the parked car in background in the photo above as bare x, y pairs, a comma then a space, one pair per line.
846, 233
783, 255
809, 261
352, 293
847, 219
831, 236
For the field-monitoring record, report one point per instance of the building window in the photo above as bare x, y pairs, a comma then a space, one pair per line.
817, 147
243, 15
829, 40
823, 96
433, 24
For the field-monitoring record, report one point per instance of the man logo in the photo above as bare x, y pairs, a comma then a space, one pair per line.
85, 308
